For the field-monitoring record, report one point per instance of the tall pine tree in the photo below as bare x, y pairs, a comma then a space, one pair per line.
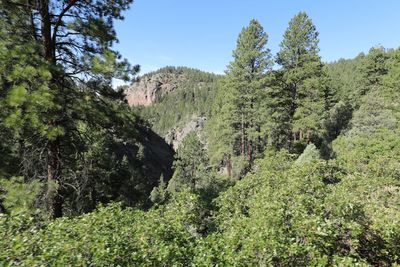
305, 96
60, 86
242, 110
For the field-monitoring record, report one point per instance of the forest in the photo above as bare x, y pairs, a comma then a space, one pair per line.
297, 163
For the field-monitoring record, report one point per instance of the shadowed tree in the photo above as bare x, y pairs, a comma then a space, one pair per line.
190, 164
60, 84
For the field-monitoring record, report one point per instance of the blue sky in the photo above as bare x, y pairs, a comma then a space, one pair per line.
202, 33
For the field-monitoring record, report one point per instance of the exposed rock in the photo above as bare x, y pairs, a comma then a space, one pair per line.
175, 136
150, 88
153, 88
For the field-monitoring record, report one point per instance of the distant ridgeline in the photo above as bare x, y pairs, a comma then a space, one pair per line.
175, 100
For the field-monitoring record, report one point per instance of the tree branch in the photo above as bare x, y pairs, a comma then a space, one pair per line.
59, 20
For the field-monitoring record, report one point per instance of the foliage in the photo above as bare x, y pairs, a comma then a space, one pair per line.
17, 196
310, 154
241, 110
63, 123
302, 87
109, 236
313, 150
193, 96
190, 165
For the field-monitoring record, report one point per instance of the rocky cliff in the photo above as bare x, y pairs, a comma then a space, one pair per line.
174, 100
175, 136
152, 87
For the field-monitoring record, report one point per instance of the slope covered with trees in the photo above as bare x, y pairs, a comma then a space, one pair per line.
299, 164
191, 97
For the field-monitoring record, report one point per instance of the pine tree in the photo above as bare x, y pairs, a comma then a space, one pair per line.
59, 79
159, 193
305, 94
373, 69
244, 93
190, 164
220, 135
278, 109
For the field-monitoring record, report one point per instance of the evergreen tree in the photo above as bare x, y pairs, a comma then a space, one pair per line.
190, 164
61, 82
159, 193
220, 135
243, 94
279, 105
305, 94
310, 154
373, 69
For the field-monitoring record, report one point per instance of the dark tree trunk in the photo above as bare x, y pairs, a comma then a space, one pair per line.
250, 152
46, 31
260, 143
54, 196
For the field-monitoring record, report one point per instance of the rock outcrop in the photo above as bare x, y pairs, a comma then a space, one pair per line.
150, 88
175, 136
182, 95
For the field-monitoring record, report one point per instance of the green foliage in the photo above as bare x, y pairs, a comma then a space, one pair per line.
301, 87
193, 96
17, 196
220, 137
373, 69
272, 129
313, 214
190, 165
338, 119
109, 236
24, 81
346, 77
310, 154
240, 105
300, 42
63, 120
159, 193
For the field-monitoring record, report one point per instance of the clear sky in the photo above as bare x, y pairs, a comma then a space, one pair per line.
202, 33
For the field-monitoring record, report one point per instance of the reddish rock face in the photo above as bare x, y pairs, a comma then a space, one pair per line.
150, 88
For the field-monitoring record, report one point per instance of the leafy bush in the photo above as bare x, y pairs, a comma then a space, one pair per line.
110, 236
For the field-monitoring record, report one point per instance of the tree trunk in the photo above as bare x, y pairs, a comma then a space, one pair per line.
229, 165
308, 136
193, 178
259, 141
250, 151
46, 31
54, 196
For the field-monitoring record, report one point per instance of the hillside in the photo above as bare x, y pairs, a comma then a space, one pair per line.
174, 100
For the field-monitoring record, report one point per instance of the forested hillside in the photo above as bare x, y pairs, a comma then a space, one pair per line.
298, 162
176, 97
